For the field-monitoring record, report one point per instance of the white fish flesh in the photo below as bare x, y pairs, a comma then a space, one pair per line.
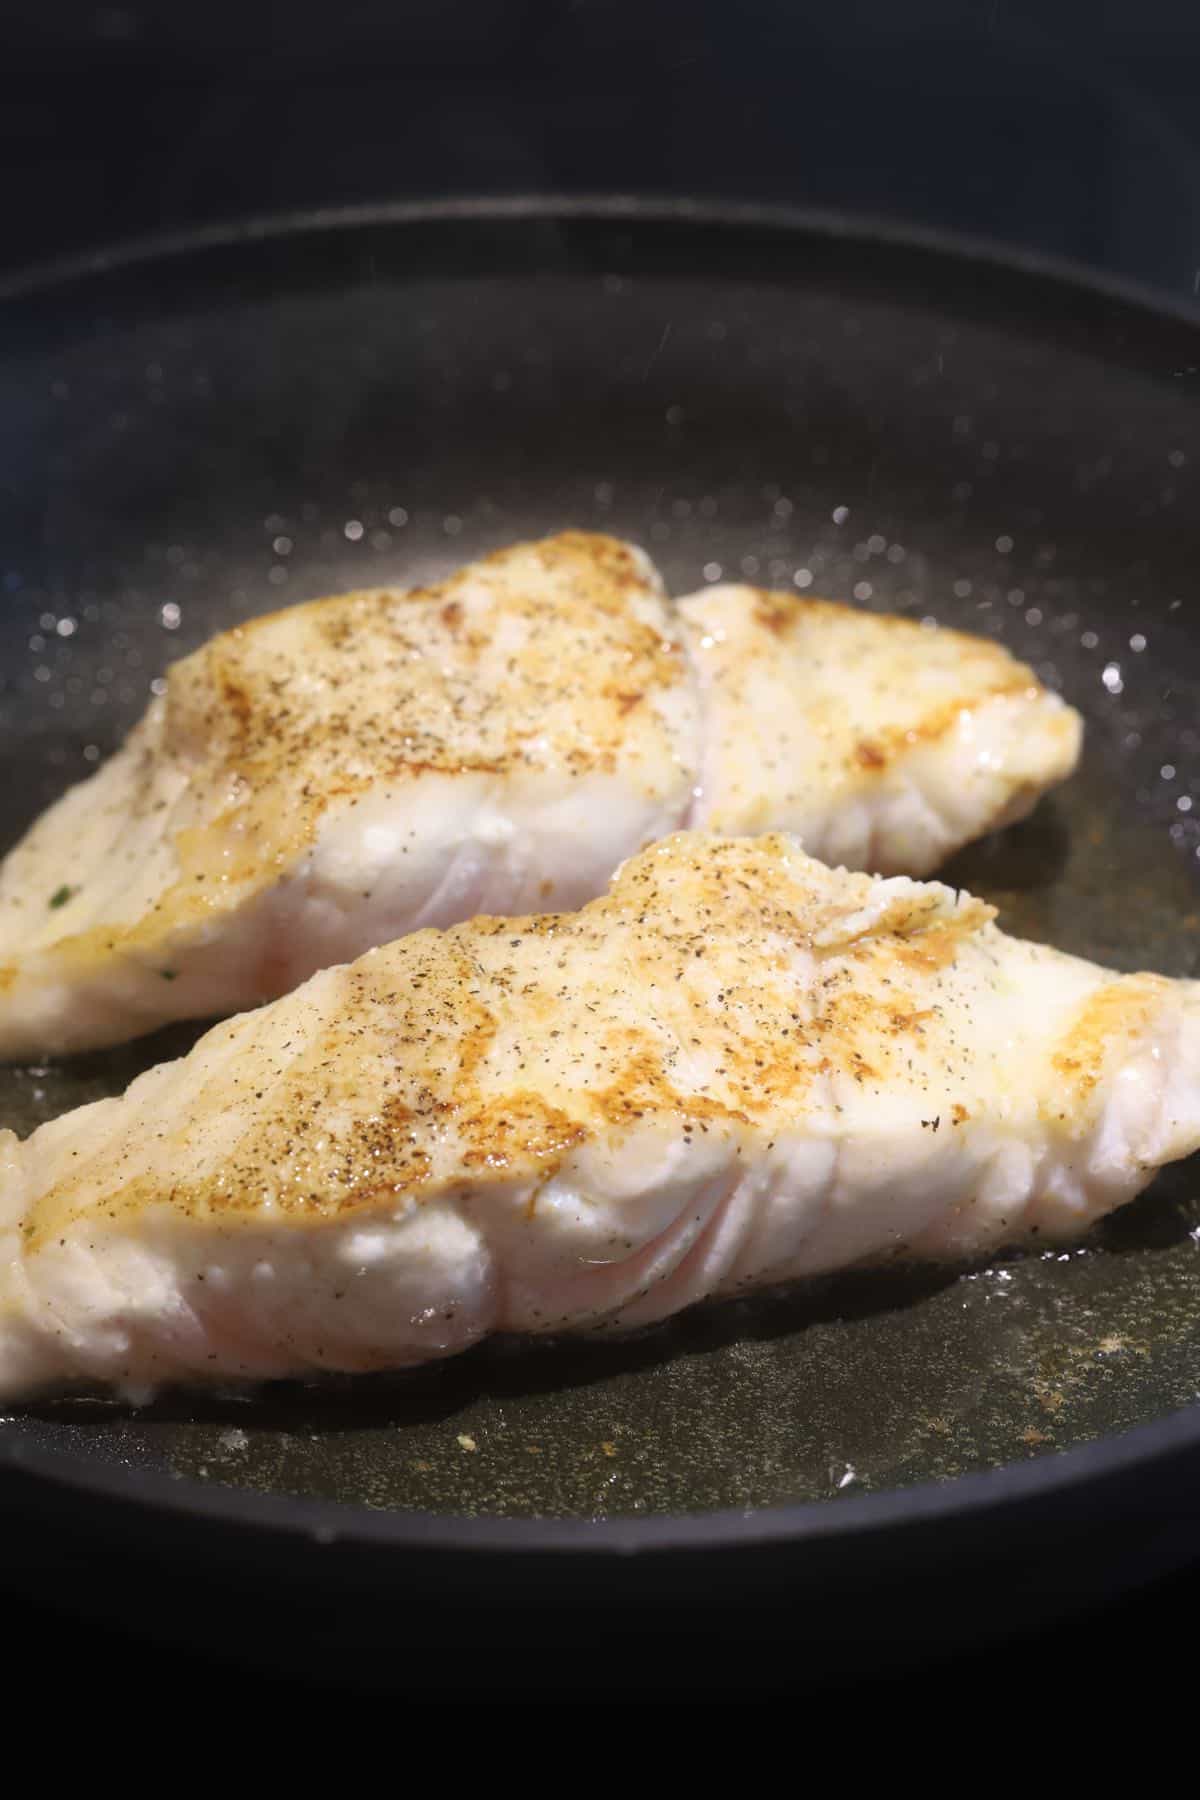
332, 776
736, 1068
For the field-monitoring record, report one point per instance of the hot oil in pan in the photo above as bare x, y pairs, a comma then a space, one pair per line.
805, 433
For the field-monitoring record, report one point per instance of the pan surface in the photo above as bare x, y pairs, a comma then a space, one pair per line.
191, 438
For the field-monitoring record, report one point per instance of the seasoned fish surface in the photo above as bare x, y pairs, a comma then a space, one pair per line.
884, 744
335, 775
737, 1067
332, 776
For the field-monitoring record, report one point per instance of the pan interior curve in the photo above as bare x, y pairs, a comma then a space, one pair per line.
188, 444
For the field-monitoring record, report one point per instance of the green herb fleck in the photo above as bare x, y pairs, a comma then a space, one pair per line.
168, 974
60, 896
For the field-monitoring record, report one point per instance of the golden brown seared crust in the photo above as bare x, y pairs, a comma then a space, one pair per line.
414, 682
993, 673
727, 985
718, 986
812, 706
515, 678
549, 660
889, 747
787, 614
1113, 1016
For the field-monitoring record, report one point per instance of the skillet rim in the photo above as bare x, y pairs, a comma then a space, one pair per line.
327, 1522
615, 209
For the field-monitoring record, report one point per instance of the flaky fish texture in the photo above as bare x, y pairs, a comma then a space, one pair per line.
736, 1068
332, 776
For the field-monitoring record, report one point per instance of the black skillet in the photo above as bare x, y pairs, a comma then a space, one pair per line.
205, 429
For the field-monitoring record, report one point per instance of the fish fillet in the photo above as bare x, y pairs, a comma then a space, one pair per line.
332, 776
736, 1068
884, 744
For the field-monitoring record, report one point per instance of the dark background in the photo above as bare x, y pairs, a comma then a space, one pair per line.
1065, 127
1068, 126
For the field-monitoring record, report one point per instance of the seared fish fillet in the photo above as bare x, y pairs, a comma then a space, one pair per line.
736, 1068
882, 743
333, 776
